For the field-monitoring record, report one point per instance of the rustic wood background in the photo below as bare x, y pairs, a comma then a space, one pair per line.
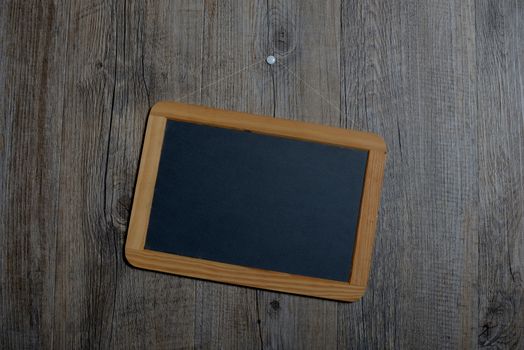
441, 81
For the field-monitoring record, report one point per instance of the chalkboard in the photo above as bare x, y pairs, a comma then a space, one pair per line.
256, 201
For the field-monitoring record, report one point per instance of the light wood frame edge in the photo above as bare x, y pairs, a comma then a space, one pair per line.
367, 223
240, 275
145, 183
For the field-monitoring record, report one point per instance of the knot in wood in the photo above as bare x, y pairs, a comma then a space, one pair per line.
282, 40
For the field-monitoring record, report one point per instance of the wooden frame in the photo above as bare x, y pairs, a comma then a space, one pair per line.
252, 277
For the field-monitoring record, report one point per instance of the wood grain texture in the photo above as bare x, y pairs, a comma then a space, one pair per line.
227, 317
414, 67
304, 35
501, 173
440, 80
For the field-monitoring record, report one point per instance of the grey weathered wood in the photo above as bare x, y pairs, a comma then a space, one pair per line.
226, 316
410, 76
499, 38
306, 86
87, 243
146, 306
441, 81
29, 165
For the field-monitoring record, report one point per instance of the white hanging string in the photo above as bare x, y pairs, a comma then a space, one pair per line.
222, 79
311, 87
296, 76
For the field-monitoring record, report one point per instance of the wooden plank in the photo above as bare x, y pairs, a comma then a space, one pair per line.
87, 258
304, 36
409, 70
158, 52
30, 132
235, 77
501, 173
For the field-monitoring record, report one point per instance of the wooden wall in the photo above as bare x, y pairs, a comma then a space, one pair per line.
441, 81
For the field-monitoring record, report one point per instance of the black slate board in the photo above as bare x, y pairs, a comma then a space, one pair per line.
258, 201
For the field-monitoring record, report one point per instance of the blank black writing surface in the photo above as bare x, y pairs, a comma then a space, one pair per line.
258, 201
